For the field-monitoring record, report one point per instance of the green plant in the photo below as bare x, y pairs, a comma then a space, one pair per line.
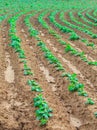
89, 101
22, 54
34, 86
91, 44
68, 48
95, 113
74, 84
50, 57
62, 28
27, 70
87, 43
43, 113
74, 36
92, 63
82, 93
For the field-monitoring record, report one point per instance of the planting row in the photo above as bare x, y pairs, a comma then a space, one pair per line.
43, 112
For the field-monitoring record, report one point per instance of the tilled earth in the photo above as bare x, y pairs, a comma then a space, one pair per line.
16, 99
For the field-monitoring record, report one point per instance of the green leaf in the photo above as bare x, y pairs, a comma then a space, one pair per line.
34, 86
89, 101
43, 122
82, 93
27, 72
72, 88
68, 48
95, 113
37, 89
74, 36
92, 63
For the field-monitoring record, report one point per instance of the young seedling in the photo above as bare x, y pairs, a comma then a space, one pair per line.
89, 101
74, 36
21, 54
34, 86
27, 70
82, 93
95, 113
43, 113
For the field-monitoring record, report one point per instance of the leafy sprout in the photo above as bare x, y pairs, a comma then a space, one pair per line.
89, 101
34, 86
43, 113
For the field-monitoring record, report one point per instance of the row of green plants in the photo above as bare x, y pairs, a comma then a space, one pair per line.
40, 19
43, 112
70, 87
85, 19
73, 51
87, 43
45, 25
74, 83
31, 30
3, 17
95, 13
90, 16
75, 20
72, 18
72, 77
68, 47
73, 34
62, 18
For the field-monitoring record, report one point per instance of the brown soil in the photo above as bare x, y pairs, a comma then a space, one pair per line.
17, 111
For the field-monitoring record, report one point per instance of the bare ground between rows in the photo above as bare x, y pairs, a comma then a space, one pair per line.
6, 89
78, 44
3, 84
93, 29
65, 96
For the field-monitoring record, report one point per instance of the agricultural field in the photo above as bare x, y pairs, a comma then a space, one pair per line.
48, 65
